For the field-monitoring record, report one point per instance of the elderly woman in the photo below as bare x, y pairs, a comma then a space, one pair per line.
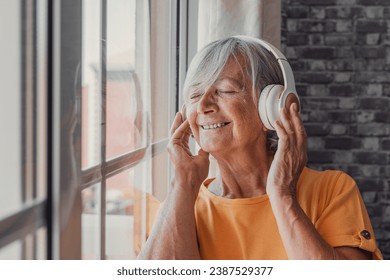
264, 203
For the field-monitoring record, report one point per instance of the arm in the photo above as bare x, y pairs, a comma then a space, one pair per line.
300, 238
174, 234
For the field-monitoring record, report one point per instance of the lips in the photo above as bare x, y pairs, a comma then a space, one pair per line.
214, 126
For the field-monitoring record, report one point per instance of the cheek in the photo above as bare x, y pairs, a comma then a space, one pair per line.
248, 118
191, 116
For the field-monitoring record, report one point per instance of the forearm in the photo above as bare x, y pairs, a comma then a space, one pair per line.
174, 234
300, 238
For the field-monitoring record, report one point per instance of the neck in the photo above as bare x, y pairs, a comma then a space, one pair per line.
243, 174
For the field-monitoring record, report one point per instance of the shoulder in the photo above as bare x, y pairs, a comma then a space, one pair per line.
328, 180
322, 188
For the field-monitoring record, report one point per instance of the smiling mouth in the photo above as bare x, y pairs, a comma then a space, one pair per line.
214, 126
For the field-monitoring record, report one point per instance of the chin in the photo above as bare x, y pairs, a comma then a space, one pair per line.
213, 149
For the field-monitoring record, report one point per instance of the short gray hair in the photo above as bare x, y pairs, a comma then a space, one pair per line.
260, 66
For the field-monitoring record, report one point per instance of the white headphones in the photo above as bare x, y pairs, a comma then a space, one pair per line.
275, 97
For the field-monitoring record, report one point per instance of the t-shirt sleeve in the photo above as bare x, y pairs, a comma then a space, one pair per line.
345, 221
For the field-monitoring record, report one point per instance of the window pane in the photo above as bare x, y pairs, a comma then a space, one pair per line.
124, 100
41, 104
119, 218
34, 246
10, 107
90, 229
23, 118
160, 176
91, 84
12, 251
130, 211
41, 241
160, 76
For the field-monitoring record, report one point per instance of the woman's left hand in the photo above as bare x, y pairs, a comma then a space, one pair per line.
291, 155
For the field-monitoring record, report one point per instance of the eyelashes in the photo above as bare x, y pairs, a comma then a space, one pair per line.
195, 96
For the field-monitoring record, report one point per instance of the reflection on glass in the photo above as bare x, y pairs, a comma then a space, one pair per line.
12, 251
91, 84
119, 218
130, 211
90, 230
124, 101
160, 176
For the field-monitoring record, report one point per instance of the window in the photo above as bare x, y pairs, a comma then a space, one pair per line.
95, 86
117, 92
23, 145
129, 97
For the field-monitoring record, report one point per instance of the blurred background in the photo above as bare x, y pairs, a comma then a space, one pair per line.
90, 87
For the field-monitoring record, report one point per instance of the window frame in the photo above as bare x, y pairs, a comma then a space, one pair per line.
24, 223
61, 211
66, 230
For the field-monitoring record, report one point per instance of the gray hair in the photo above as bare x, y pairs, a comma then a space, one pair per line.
260, 66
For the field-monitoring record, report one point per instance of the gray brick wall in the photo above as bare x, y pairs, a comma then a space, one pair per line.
340, 54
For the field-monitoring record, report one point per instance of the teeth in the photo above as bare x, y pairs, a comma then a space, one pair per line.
213, 126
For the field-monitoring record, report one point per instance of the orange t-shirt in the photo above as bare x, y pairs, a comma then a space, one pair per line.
246, 228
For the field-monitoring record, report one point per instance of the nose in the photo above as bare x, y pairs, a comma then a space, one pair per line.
207, 103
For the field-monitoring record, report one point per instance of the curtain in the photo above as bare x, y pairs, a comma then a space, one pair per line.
222, 18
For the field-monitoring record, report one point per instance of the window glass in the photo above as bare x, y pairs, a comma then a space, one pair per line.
41, 103
34, 246
120, 215
12, 251
90, 221
91, 84
162, 93
41, 241
124, 101
10, 108
160, 175
131, 210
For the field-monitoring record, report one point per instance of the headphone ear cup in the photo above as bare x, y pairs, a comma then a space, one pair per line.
269, 105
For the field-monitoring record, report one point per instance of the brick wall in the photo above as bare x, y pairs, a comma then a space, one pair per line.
340, 54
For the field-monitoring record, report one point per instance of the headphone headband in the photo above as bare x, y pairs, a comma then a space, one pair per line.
288, 76
275, 97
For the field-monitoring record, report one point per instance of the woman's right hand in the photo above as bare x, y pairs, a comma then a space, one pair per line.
190, 170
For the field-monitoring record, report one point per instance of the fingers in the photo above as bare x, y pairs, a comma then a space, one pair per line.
296, 119
177, 121
286, 122
298, 125
179, 136
290, 128
181, 132
284, 129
